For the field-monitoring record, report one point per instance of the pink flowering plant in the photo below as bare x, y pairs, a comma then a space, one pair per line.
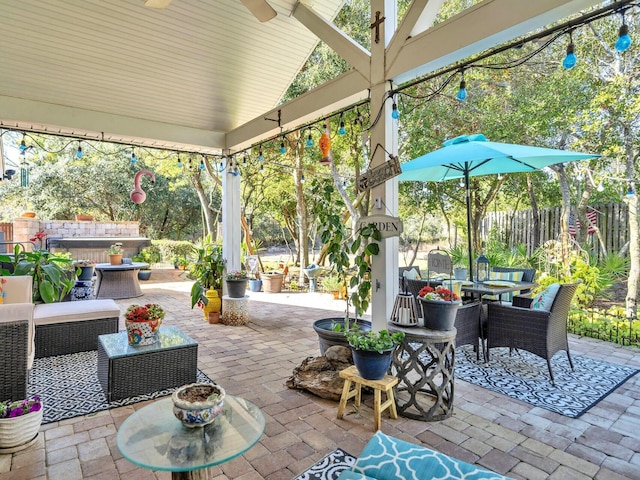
236, 275
9, 409
438, 293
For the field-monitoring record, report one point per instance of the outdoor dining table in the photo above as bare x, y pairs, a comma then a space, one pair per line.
494, 287
118, 281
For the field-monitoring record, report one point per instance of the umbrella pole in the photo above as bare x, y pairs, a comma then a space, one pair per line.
469, 231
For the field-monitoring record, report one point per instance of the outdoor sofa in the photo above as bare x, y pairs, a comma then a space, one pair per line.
30, 330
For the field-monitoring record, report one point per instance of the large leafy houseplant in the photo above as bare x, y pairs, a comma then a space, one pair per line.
380, 341
53, 275
207, 270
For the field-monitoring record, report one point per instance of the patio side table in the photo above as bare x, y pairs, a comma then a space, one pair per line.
125, 370
424, 365
235, 311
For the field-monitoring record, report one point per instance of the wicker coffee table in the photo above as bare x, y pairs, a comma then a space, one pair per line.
125, 371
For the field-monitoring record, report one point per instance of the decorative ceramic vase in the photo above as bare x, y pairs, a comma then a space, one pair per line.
194, 406
144, 332
144, 274
214, 304
115, 258
439, 315
236, 288
17, 433
372, 365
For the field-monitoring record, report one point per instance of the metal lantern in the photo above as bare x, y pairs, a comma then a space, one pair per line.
482, 268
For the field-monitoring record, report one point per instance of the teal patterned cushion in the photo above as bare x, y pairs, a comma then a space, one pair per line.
544, 300
388, 458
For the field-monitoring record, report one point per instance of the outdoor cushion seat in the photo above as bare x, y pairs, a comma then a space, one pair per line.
389, 458
48, 313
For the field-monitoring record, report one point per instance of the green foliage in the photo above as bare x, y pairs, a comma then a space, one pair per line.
53, 275
149, 255
374, 341
365, 242
606, 324
207, 270
331, 283
172, 251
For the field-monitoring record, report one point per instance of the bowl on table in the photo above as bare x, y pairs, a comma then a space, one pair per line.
198, 404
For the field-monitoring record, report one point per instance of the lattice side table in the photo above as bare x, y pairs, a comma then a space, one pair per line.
235, 311
424, 365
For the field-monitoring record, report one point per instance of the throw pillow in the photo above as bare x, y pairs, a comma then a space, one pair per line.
509, 277
544, 300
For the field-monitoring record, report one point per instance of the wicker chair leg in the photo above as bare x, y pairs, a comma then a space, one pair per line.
553, 380
570, 361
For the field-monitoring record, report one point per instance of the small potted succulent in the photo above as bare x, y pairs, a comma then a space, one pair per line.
198, 404
439, 307
143, 323
372, 351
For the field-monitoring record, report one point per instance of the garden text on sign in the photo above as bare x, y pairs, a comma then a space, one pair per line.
389, 226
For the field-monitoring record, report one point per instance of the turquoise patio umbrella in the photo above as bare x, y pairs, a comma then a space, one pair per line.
473, 155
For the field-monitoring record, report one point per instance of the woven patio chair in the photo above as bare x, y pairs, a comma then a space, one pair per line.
468, 327
537, 331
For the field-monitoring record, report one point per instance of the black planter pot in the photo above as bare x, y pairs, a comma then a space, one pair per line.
236, 288
372, 365
439, 315
86, 273
328, 338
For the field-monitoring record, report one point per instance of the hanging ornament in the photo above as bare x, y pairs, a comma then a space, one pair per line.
325, 147
137, 195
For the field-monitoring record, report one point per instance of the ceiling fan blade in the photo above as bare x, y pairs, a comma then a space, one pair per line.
260, 9
157, 3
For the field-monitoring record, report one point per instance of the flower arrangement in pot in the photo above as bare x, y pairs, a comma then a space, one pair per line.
115, 254
198, 404
372, 351
439, 307
143, 323
19, 422
236, 283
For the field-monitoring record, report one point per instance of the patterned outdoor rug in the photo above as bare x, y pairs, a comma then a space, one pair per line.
69, 387
329, 467
525, 376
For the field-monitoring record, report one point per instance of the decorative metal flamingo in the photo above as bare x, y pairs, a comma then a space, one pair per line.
137, 195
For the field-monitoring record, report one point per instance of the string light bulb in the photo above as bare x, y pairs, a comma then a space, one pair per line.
23, 145
309, 140
461, 182
342, 130
624, 40
260, 156
570, 59
630, 188
302, 179
261, 168
179, 162
462, 90
202, 163
395, 114
500, 176
282, 147
600, 187
134, 159
79, 152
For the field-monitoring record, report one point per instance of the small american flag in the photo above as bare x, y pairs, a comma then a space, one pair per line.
574, 223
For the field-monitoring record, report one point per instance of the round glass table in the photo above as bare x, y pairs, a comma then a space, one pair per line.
154, 438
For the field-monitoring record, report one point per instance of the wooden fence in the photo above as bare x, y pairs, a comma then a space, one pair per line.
517, 227
6, 235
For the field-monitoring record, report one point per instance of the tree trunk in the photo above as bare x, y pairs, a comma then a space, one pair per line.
301, 213
204, 204
535, 215
631, 302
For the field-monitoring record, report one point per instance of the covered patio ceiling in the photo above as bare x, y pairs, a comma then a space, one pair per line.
202, 76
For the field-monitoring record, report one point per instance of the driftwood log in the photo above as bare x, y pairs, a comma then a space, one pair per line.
320, 375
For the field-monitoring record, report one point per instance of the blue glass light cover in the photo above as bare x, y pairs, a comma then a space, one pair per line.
342, 130
624, 40
395, 114
133, 158
570, 59
282, 148
462, 91
309, 141
79, 152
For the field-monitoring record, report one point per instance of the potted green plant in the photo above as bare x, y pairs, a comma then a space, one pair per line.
236, 283
86, 269
115, 254
372, 351
53, 274
146, 256
206, 271
331, 283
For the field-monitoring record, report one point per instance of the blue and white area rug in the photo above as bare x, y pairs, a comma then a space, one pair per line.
68, 386
329, 467
525, 377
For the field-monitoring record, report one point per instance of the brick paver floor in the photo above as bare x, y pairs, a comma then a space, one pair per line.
254, 361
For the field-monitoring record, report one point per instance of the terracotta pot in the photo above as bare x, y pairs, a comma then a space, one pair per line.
214, 317
29, 214
84, 218
115, 258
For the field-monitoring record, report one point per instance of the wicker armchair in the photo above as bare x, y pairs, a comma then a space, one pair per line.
468, 327
537, 331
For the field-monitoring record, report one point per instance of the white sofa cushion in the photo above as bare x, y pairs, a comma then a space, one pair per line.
48, 313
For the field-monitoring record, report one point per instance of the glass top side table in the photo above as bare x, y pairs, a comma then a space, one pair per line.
154, 438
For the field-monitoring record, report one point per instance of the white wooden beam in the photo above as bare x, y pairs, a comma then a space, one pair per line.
476, 29
66, 119
357, 56
340, 92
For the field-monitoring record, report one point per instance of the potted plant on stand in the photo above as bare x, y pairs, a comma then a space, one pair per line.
207, 273
372, 351
236, 283
439, 307
19, 423
115, 254
86, 269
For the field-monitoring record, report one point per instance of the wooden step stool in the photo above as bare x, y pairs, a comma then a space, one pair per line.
386, 384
